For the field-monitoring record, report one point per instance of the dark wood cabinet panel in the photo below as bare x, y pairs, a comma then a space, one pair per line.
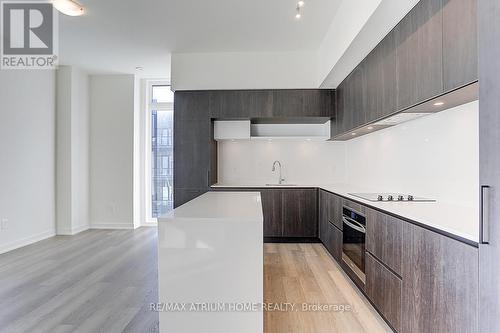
384, 290
384, 238
381, 79
191, 105
323, 215
360, 209
333, 241
460, 54
440, 283
335, 210
272, 203
241, 104
300, 217
340, 119
303, 103
192, 153
489, 160
355, 97
419, 55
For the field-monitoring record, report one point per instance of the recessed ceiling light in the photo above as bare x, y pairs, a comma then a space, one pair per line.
353, 133
369, 128
297, 16
69, 7
438, 103
300, 3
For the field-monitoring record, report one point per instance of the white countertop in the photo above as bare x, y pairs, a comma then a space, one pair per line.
458, 220
241, 206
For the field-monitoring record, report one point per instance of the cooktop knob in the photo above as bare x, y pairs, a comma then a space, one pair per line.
380, 198
390, 198
410, 198
400, 198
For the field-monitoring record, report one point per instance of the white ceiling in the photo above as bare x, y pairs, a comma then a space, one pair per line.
115, 36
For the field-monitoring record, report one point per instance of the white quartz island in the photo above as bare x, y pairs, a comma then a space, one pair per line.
210, 254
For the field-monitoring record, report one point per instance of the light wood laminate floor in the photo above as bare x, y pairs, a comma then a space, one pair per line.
105, 280
307, 274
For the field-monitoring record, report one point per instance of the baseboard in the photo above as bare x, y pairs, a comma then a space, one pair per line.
149, 224
112, 226
73, 231
26, 241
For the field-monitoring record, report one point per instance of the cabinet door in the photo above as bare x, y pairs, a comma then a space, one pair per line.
300, 214
303, 103
381, 79
384, 290
273, 214
440, 283
419, 55
333, 241
384, 238
323, 215
341, 118
459, 43
355, 98
335, 210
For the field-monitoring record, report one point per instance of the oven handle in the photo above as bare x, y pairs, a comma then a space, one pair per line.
354, 224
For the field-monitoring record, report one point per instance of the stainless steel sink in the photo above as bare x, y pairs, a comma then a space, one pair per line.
281, 185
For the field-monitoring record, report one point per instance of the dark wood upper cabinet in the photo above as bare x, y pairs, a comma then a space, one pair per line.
303, 103
419, 55
300, 211
272, 203
460, 55
235, 104
440, 283
381, 79
355, 97
341, 117
384, 290
384, 238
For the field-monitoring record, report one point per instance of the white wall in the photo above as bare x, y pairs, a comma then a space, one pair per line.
193, 71
27, 147
434, 156
250, 162
72, 151
112, 151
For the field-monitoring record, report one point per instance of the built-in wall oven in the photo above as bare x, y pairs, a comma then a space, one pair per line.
353, 248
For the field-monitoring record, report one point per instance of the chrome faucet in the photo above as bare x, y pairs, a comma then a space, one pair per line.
280, 179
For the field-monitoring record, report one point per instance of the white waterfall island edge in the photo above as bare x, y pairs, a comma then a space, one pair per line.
210, 255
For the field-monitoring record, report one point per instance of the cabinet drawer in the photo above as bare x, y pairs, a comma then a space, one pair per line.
384, 290
384, 238
333, 241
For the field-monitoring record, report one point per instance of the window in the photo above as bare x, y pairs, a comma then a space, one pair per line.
162, 158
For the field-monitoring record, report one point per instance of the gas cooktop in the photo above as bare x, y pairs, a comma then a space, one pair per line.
389, 197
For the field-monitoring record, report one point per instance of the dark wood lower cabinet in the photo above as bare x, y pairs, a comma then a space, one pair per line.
333, 242
272, 203
384, 238
300, 213
384, 289
440, 283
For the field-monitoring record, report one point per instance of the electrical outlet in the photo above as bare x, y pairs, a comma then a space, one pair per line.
4, 223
